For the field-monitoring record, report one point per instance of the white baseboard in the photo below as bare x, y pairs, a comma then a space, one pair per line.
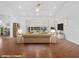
73, 42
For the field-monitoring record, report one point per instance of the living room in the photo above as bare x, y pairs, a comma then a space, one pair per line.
45, 28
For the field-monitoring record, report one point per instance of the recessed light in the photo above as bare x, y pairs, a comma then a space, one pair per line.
20, 7
54, 7
38, 9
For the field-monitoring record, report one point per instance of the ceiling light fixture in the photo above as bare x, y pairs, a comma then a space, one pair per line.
38, 8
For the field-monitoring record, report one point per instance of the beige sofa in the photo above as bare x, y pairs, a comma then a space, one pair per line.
36, 38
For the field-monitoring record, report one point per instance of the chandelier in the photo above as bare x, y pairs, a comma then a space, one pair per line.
38, 8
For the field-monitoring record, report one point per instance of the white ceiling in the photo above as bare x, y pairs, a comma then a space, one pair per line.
63, 8
28, 8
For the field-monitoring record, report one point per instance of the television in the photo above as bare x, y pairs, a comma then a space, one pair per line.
60, 26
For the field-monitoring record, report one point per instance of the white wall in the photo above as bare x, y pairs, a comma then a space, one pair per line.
72, 30
71, 11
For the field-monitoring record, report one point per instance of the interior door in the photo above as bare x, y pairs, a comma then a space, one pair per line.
15, 27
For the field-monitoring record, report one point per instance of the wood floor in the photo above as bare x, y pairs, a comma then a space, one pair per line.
62, 49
